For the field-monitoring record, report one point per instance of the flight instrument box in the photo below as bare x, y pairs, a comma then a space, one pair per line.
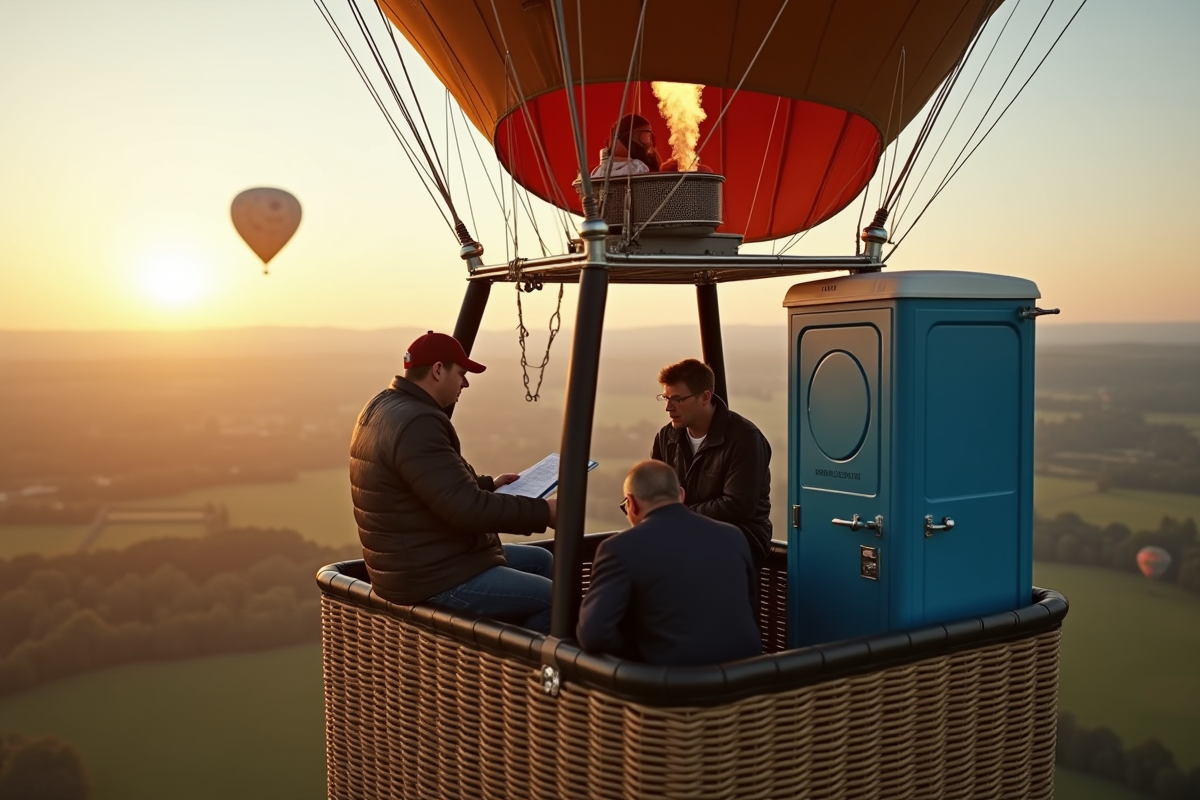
910, 451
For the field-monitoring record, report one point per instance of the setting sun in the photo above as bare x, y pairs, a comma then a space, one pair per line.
172, 280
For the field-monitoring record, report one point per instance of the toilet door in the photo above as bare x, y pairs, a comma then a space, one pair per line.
970, 447
839, 421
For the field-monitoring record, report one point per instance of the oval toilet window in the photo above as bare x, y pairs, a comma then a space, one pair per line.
839, 405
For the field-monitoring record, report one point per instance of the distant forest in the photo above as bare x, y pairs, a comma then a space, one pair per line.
80, 434
161, 599
1070, 540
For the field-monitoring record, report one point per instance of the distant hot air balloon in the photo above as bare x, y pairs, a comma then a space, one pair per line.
266, 220
1153, 561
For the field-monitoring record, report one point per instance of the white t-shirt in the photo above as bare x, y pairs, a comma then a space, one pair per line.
621, 166
697, 442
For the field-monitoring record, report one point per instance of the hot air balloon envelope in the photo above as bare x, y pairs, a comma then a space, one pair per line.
815, 106
266, 220
1153, 561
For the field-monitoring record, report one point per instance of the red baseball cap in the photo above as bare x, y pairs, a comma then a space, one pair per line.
434, 347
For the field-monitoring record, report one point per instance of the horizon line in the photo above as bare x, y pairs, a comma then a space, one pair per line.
243, 328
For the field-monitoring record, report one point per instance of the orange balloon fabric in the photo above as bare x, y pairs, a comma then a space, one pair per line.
798, 143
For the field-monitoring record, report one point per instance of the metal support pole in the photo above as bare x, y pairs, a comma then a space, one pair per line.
710, 335
470, 314
577, 432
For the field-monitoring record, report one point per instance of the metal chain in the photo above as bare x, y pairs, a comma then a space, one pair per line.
523, 334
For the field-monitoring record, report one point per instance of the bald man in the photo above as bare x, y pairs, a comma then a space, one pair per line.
677, 588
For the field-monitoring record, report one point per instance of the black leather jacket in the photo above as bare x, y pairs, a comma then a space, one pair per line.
426, 521
728, 478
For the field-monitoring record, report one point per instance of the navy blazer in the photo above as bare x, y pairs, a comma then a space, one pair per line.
678, 589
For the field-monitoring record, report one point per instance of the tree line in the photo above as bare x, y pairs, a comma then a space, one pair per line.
1119, 448
234, 590
41, 768
1068, 539
1148, 767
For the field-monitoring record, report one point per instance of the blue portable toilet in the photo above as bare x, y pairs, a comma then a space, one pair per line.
910, 450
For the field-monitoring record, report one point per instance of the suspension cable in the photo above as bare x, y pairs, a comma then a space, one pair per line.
452, 124
434, 164
418, 167
589, 200
956, 170
544, 163
716, 124
763, 165
961, 106
897, 186
634, 58
887, 129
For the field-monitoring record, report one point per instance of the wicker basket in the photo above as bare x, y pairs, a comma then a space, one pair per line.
427, 703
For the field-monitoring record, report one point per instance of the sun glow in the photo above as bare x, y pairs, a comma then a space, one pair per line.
173, 280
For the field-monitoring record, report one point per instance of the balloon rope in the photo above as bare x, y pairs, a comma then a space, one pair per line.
717, 123
887, 132
634, 58
938, 106
950, 177
762, 167
897, 88
377, 54
544, 166
992, 104
942, 99
435, 162
483, 164
422, 174
589, 200
943, 93
452, 125
582, 76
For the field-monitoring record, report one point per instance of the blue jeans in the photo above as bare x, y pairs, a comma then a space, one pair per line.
518, 593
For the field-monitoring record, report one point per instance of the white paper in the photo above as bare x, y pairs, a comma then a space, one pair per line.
540, 480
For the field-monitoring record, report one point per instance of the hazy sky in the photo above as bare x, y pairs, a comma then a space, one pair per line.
127, 126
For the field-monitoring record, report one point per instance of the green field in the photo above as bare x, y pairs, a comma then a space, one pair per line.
317, 505
1191, 421
49, 540
247, 726
1140, 510
251, 726
1071, 785
1130, 656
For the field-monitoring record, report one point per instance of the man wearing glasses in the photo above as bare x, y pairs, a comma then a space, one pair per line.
630, 149
722, 459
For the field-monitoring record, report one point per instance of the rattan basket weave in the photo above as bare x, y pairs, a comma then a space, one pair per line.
427, 703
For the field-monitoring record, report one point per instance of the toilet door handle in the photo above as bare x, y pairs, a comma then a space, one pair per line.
932, 527
855, 522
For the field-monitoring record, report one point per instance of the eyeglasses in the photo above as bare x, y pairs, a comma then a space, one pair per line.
624, 506
641, 134
673, 399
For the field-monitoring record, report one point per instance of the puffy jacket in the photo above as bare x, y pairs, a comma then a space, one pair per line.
728, 478
426, 521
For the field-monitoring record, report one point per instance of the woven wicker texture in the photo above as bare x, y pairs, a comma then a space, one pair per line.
415, 713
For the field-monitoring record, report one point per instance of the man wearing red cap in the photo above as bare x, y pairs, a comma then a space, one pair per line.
426, 520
